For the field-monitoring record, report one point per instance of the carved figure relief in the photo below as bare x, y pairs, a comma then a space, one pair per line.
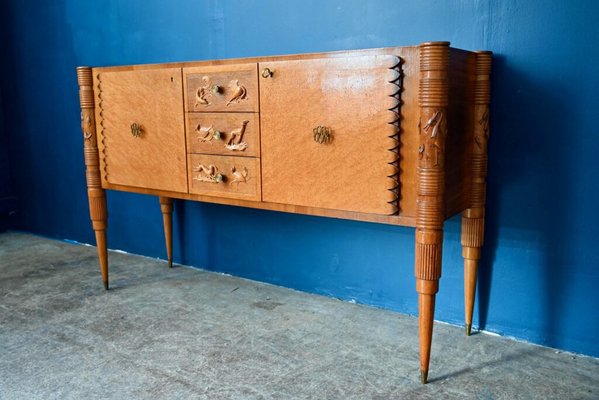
208, 173
203, 93
432, 148
240, 176
235, 142
86, 126
205, 133
238, 92
482, 135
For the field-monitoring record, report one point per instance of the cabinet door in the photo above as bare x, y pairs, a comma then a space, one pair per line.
142, 136
328, 133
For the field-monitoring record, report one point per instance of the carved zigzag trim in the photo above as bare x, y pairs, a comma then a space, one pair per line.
395, 80
104, 169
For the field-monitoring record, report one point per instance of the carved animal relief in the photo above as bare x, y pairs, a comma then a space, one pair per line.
207, 133
432, 148
86, 126
235, 142
203, 93
238, 92
208, 173
481, 136
240, 176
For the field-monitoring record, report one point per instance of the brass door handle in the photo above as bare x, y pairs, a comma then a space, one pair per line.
136, 129
267, 73
322, 134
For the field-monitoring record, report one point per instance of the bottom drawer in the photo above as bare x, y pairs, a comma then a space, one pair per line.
225, 176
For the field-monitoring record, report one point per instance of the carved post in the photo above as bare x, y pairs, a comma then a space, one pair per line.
473, 219
430, 187
166, 206
95, 193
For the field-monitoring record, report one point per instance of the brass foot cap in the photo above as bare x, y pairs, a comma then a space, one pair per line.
423, 377
468, 329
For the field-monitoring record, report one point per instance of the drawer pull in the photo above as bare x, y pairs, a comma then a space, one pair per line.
266, 73
322, 134
209, 174
136, 129
216, 89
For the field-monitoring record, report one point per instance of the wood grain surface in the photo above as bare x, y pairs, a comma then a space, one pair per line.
354, 98
151, 98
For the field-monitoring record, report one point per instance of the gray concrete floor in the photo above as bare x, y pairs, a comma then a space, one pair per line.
190, 334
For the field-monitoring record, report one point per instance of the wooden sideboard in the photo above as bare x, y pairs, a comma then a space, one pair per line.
394, 135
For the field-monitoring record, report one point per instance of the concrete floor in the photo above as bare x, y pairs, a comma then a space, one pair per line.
189, 334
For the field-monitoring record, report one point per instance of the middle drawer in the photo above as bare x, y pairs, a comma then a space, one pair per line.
236, 134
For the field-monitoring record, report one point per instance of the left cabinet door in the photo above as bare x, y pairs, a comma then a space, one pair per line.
141, 129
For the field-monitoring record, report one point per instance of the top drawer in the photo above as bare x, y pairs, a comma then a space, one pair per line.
221, 88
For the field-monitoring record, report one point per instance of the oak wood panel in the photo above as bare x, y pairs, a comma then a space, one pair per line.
357, 170
239, 133
238, 88
152, 98
240, 176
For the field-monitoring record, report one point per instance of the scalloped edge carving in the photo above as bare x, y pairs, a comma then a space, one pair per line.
396, 85
104, 169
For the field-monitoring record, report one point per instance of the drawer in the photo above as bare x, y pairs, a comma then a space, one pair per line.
235, 134
221, 88
225, 176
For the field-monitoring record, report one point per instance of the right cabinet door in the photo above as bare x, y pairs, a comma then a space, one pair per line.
328, 132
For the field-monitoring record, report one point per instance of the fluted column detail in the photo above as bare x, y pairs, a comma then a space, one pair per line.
473, 219
430, 186
95, 193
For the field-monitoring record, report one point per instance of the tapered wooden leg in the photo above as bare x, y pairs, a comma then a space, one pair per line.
473, 219
166, 206
96, 195
426, 315
102, 256
471, 257
430, 187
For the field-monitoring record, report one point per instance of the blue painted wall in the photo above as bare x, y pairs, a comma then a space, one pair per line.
540, 268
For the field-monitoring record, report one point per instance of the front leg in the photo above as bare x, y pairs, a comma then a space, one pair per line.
430, 188
95, 193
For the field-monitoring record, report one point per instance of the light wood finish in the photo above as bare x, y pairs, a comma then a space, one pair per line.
406, 125
473, 219
399, 220
357, 170
237, 88
240, 176
95, 193
151, 98
239, 134
433, 99
166, 207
